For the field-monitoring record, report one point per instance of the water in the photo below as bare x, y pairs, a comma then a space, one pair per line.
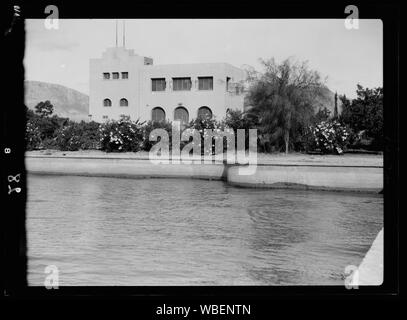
109, 231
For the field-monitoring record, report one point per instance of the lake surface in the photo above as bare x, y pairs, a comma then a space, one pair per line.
111, 231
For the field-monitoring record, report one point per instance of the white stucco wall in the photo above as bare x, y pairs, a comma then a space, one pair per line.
114, 60
137, 88
218, 99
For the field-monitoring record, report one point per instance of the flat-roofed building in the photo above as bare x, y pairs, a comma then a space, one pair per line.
124, 83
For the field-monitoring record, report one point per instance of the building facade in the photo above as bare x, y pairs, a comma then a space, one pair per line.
123, 83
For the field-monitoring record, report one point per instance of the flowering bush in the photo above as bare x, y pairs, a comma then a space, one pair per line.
122, 135
327, 136
32, 136
68, 138
330, 136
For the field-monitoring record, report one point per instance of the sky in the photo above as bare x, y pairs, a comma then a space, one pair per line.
344, 57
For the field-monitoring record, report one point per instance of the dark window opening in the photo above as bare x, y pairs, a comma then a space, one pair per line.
125, 75
205, 83
181, 114
148, 61
106, 75
115, 75
158, 114
107, 103
181, 84
204, 113
124, 102
158, 84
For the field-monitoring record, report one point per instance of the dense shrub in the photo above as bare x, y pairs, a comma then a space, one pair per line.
330, 137
68, 137
199, 124
32, 136
78, 136
236, 119
323, 114
41, 132
41, 128
202, 124
49, 126
90, 137
125, 135
364, 115
149, 127
322, 133
122, 135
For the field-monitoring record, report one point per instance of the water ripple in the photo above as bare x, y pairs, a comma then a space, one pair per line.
107, 231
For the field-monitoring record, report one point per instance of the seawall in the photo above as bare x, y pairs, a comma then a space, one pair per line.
271, 174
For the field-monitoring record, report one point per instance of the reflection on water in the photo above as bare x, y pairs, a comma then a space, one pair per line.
109, 231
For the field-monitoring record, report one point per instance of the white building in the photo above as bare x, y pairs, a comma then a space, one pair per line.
124, 83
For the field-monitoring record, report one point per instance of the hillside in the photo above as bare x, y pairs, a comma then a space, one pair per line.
67, 102
326, 99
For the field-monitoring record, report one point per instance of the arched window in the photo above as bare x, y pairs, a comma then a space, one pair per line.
204, 113
124, 102
107, 103
158, 114
181, 114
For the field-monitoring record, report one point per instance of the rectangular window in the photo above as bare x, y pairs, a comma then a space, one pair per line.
227, 83
105, 117
115, 75
158, 84
125, 75
106, 75
179, 84
205, 83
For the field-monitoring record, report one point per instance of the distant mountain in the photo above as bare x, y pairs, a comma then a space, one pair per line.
67, 102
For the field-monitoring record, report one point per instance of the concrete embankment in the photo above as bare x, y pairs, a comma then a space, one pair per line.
370, 271
120, 167
269, 174
341, 178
